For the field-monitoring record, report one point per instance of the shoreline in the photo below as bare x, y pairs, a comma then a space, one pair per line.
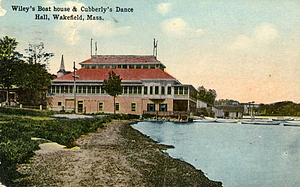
117, 155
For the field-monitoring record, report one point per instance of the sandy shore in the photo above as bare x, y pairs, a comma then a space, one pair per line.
115, 156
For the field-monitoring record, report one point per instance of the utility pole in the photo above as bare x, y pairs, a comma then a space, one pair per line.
74, 75
91, 47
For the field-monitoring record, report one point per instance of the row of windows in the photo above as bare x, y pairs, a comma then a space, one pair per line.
125, 66
133, 107
163, 107
181, 90
126, 90
79, 89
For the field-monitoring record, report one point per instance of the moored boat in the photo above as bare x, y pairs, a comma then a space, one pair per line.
227, 121
204, 120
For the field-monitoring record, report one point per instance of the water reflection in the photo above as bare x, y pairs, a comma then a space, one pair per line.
236, 154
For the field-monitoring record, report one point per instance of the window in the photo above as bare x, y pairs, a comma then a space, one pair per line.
102, 90
114, 66
139, 90
162, 90
107, 66
79, 89
130, 89
156, 90
100, 66
117, 106
145, 66
97, 89
150, 107
138, 66
59, 103
89, 89
163, 107
63, 90
151, 90
53, 89
133, 106
93, 89
169, 90
186, 90
181, 90
93, 67
124, 66
152, 66
176, 90
145, 90
135, 90
57, 89
84, 89
131, 66
100, 106
71, 89
125, 88
119, 66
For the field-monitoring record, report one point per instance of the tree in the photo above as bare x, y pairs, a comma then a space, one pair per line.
207, 96
31, 79
37, 55
113, 86
9, 63
7, 48
33, 85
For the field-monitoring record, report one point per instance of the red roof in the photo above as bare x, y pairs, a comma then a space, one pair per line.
109, 59
125, 74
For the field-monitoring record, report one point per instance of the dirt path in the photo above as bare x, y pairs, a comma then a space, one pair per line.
98, 162
117, 155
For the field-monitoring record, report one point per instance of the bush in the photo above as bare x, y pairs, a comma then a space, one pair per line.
25, 112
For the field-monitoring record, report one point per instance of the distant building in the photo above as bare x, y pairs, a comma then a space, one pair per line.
147, 87
62, 70
234, 111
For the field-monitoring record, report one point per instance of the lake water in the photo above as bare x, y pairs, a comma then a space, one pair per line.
238, 155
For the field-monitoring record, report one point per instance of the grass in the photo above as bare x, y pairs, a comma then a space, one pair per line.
18, 126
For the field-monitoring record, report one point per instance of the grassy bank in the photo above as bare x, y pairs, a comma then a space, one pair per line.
116, 155
18, 126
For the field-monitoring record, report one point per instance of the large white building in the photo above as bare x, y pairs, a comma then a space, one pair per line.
147, 88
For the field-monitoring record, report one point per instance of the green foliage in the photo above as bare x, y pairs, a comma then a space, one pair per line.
25, 112
285, 108
16, 146
113, 84
37, 55
32, 79
7, 48
124, 116
207, 96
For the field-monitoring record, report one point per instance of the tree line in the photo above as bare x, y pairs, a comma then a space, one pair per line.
284, 108
26, 73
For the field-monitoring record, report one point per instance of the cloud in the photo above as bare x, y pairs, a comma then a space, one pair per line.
199, 32
176, 27
179, 28
72, 31
163, 8
2, 11
265, 33
261, 36
108, 28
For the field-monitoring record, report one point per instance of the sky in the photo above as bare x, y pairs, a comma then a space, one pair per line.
247, 50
